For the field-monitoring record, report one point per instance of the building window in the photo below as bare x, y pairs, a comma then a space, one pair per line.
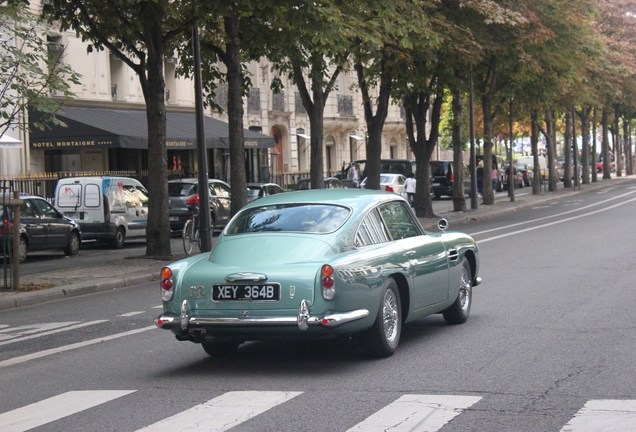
278, 101
345, 105
113, 91
254, 99
300, 108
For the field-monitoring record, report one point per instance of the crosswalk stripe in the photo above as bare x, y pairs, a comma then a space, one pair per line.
129, 314
222, 413
419, 413
55, 408
604, 415
20, 337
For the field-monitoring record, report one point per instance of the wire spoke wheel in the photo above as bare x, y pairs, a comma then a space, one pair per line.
188, 236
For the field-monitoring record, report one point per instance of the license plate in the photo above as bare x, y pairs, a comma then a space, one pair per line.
173, 218
260, 292
435, 184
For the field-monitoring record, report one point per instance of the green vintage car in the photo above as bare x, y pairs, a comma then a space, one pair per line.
315, 264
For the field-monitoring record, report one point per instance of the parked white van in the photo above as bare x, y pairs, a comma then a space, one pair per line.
106, 208
543, 165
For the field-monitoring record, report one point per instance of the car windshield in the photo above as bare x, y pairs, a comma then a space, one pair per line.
252, 191
305, 218
181, 189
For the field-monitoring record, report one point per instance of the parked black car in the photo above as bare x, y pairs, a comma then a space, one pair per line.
183, 193
443, 177
42, 227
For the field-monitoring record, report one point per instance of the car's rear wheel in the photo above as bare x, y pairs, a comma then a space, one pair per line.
458, 312
22, 249
383, 337
73, 246
219, 349
120, 238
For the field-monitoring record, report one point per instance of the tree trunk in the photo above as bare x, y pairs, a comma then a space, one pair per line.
534, 146
567, 149
551, 139
416, 107
459, 201
594, 147
488, 192
627, 148
158, 228
375, 123
605, 143
232, 61
617, 143
584, 115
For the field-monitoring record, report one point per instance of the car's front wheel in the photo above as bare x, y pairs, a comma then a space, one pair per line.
458, 312
73, 246
383, 337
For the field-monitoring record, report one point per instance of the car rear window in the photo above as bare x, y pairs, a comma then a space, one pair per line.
305, 218
438, 168
181, 189
253, 191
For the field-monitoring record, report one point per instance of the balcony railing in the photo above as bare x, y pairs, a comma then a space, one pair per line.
254, 99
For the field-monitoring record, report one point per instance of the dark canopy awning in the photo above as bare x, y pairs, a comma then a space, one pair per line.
111, 128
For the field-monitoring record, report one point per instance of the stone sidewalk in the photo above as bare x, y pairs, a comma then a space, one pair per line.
56, 285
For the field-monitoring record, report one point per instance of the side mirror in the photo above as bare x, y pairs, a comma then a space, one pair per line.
442, 224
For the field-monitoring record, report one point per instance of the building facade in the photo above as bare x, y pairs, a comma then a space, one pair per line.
108, 83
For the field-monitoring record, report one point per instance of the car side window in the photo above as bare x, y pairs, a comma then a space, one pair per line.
398, 220
27, 209
45, 208
221, 190
371, 230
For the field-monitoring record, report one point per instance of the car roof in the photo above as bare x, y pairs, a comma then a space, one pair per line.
193, 180
262, 184
356, 199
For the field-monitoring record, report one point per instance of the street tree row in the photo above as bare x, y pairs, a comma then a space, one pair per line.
536, 60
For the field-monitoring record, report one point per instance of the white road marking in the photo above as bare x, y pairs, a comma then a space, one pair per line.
129, 314
222, 413
523, 231
158, 307
412, 413
55, 408
18, 337
604, 416
40, 354
553, 216
32, 328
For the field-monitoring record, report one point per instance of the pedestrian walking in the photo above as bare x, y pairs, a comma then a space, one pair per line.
356, 175
480, 178
495, 177
410, 186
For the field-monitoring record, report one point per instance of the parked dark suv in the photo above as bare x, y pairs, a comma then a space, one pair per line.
442, 178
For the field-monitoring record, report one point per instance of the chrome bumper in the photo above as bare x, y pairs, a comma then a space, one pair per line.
303, 320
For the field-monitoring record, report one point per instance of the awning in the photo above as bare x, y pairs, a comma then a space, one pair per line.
111, 128
8, 142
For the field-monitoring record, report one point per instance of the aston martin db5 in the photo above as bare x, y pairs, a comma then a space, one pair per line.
316, 264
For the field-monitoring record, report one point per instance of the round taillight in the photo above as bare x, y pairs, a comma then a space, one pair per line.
327, 270
166, 284
327, 282
166, 273
160, 322
193, 201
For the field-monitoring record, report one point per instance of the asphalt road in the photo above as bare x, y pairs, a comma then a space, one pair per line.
550, 346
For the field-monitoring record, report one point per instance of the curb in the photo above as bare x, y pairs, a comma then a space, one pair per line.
22, 299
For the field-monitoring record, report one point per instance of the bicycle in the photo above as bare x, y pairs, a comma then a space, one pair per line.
190, 233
